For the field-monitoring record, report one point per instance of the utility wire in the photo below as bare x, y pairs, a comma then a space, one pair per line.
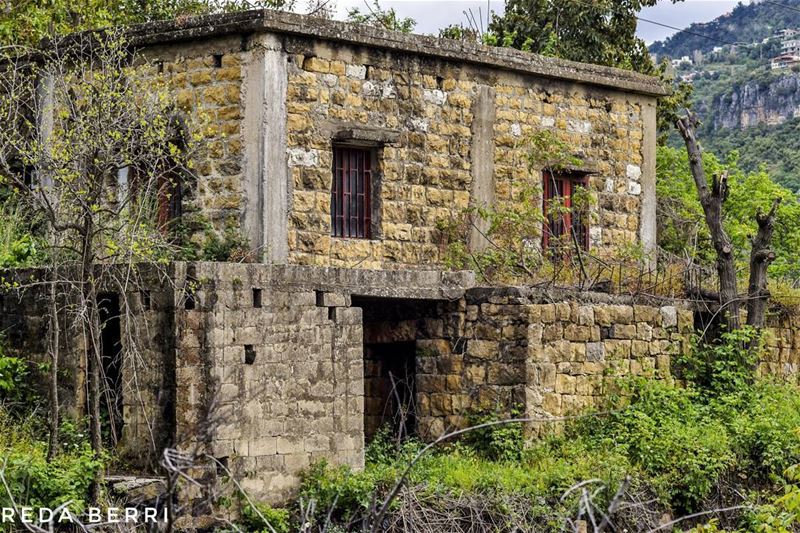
685, 30
656, 23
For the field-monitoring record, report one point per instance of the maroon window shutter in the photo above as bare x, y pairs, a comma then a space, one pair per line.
560, 226
351, 215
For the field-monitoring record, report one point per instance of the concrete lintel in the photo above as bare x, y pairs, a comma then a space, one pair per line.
411, 284
368, 136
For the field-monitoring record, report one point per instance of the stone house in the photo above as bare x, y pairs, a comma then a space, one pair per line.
422, 128
336, 150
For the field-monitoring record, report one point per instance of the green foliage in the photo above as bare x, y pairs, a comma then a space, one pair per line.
18, 246
601, 32
514, 228
679, 443
277, 520
32, 479
725, 365
381, 18
665, 432
681, 229
504, 442
773, 149
28, 22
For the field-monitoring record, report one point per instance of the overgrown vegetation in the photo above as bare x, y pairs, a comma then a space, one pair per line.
718, 440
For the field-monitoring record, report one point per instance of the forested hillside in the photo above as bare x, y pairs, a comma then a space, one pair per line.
745, 24
745, 105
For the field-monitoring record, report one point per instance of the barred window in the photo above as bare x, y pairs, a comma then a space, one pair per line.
561, 220
351, 209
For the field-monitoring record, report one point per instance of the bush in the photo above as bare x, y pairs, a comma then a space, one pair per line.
32, 479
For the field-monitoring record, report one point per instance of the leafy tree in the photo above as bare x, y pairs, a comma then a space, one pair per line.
680, 227
600, 31
30, 21
80, 117
381, 18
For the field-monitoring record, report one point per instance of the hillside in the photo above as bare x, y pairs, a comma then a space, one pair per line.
745, 24
744, 104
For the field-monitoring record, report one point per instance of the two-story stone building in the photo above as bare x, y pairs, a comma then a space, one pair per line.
337, 151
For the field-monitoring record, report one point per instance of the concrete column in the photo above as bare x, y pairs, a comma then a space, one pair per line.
46, 119
266, 181
482, 159
647, 213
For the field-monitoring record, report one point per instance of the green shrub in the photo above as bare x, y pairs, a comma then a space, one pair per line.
725, 365
253, 519
503, 442
667, 433
32, 479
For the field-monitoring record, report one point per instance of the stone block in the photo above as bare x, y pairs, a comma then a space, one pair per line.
669, 316
585, 315
595, 352
483, 349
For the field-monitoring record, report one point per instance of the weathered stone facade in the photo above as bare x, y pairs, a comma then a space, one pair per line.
270, 368
448, 122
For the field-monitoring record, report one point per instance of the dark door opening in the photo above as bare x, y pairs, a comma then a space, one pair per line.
389, 388
111, 370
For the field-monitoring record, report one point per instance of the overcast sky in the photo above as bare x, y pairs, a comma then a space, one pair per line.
431, 15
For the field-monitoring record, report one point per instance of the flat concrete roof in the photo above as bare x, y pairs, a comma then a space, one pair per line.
264, 20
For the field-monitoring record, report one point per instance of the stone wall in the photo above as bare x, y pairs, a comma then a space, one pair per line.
782, 343
514, 350
269, 380
263, 367
145, 337
428, 176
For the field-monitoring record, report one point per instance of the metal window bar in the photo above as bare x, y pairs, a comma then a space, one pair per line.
350, 193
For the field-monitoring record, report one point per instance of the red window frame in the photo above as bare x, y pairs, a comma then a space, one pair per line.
351, 193
562, 185
170, 198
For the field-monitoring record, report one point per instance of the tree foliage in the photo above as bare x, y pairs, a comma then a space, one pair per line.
601, 31
30, 21
681, 230
376, 15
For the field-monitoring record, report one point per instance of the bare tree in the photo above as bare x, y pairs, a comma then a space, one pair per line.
107, 153
712, 198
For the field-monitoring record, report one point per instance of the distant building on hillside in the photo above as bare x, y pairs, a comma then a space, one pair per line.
784, 61
790, 49
685, 60
790, 46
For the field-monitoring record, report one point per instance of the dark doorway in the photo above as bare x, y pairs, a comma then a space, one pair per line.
389, 388
111, 350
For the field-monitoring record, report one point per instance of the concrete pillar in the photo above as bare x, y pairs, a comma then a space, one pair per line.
482, 159
266, 181
647, 214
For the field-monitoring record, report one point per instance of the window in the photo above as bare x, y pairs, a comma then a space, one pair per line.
351, 202
170, 198
168, 193
562, 219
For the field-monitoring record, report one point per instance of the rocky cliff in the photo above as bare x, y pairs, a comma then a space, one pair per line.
771, 101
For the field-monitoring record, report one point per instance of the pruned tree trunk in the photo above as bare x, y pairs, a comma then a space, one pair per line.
760, 258
711, 199
761, 255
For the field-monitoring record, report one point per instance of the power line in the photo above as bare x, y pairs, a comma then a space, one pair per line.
685, 30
